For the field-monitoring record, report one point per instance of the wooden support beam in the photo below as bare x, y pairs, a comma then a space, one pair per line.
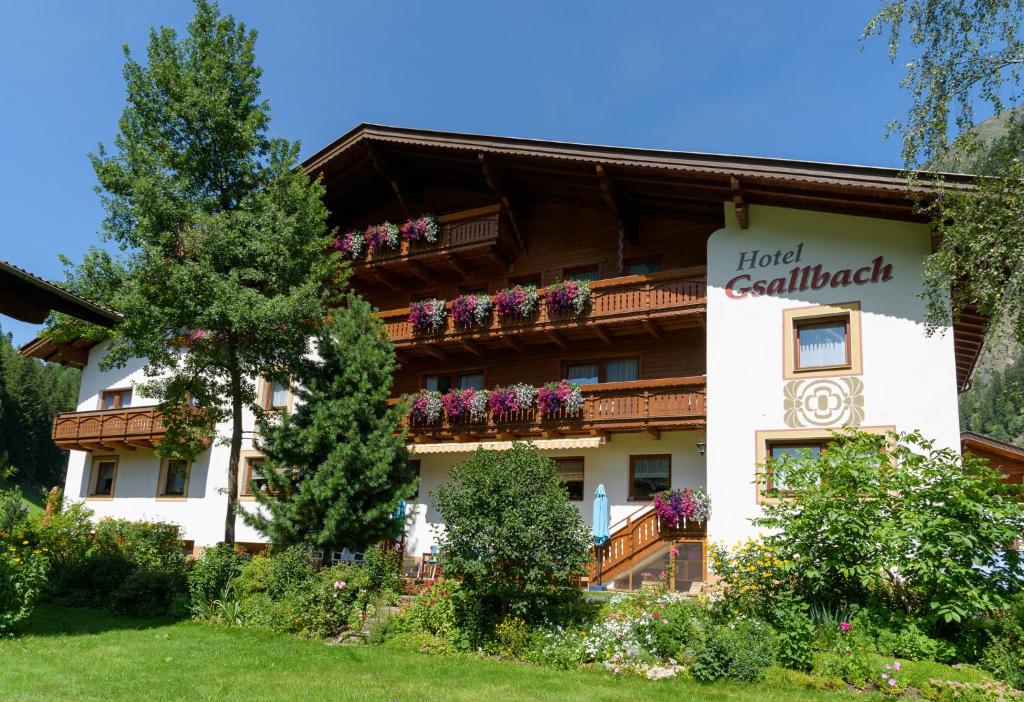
551, 434
653, 433
386, 278
459, 264
652, 328
624, 216
601, 333
513, 344
139, 444
601, 434
401, 358
498, 258
422, 272
434, 351
473, 347
738, 199
498, 187
557, 339
505, 436
72, 356
387, 171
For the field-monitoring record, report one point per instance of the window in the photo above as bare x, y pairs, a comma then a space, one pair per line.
417, 469
822, 344
794, 449
464, 381
255, 476
822, 341
276, 395
612, 370
116, 399
103, 475
648, 475
474, 290
591, 272
174, 475
570, 470
533, 279
643, 266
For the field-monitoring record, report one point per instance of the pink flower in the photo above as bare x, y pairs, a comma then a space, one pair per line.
656, 615
339, 584
844, 626
892, 682
674, 551
896, 665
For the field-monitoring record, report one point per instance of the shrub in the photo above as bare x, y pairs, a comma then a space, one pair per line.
1004, 658
66, 536
23, 568
752, 574
150, 592
383, 564
289, 569
795, 632
913, 644
512, 636
511, 534
433, 611
844, 658
212, 572
741, 651
559, 648
13, 510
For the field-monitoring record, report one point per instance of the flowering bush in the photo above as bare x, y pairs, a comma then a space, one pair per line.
469, 310
520, 301
679, 506
752, 574
515, 398
465, 404
382, 236
427, 315
423, 228
426, 407
567, 296
23, 569
350, 244
560, 396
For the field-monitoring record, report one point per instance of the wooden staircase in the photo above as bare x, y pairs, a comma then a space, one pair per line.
634, 539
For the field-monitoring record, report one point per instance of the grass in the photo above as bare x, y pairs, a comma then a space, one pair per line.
31, 496
79, 654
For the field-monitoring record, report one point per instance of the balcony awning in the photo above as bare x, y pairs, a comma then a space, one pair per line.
581, 442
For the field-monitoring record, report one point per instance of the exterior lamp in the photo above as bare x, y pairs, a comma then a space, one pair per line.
702, 447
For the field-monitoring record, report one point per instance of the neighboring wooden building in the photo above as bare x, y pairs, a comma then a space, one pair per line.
738, 307
1003, 456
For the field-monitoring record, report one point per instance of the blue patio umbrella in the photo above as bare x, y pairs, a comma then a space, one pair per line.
399, 516
599, 528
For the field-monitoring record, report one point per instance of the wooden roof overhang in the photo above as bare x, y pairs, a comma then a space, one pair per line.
1003, 456
29, 298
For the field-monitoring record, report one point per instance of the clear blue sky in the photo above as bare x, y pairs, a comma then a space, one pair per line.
785, 79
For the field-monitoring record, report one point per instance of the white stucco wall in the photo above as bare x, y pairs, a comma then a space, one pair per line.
909, 378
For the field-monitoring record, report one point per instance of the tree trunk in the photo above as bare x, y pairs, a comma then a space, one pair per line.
235, 455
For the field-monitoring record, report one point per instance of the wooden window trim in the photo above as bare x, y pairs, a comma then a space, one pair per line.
811, 321
244, 471
601, 363
642, 259
632, 473
265, 393
118, 391
795, 316
571, 272
453, 377
821, 443
161, 483
583, 461
90, 492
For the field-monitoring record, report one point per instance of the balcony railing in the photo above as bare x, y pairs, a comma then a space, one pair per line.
649, 406
654, 301
109, 429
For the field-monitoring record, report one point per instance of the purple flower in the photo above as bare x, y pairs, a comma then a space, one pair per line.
567, 296
520, 301
844, 626
892, 682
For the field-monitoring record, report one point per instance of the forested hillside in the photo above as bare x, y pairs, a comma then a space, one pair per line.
31, 394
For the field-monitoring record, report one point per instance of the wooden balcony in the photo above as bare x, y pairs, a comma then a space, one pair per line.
637, 304
636, 538
650, 406
469, 241
108, 430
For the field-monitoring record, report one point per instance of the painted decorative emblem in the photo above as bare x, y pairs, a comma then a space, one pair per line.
824, 402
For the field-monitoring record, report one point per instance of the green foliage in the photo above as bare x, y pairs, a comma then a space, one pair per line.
994, 404
927, 526
754, 573
512, 636
383, 564
846, 659
795, 632
213, 572
909, 642
150, 592
13, 510
511, 534
223, 238
23, 570
435, 612
742, 650
1004, 657
289, 569
32, 393
338, 466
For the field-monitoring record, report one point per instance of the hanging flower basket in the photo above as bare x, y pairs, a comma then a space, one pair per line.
511, 400
471, 310
679, 506
427, 316
350, 244
382, 236
567, 296
426, 407
561, 396
465, 405
423, 228
519, 301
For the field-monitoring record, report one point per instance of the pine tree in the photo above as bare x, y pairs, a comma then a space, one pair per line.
337, 467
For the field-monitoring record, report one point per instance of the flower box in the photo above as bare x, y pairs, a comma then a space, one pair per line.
351, 244
515, 399
466, 405
560, 398
516, 302
567, 296
426, 408
471, 310
677, 507
423, 228
427, 316
382, 236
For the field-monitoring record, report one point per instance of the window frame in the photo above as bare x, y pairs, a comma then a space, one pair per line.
583, 479
814, 321
769, 444
535, 279
244, 490
794, 317
631, 497
90, 490
572, 272
266, 396
602, 371
118, 393
643, 259
453, 377
164, 476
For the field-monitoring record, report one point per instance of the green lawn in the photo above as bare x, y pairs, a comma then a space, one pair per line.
31, 496
77, 654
